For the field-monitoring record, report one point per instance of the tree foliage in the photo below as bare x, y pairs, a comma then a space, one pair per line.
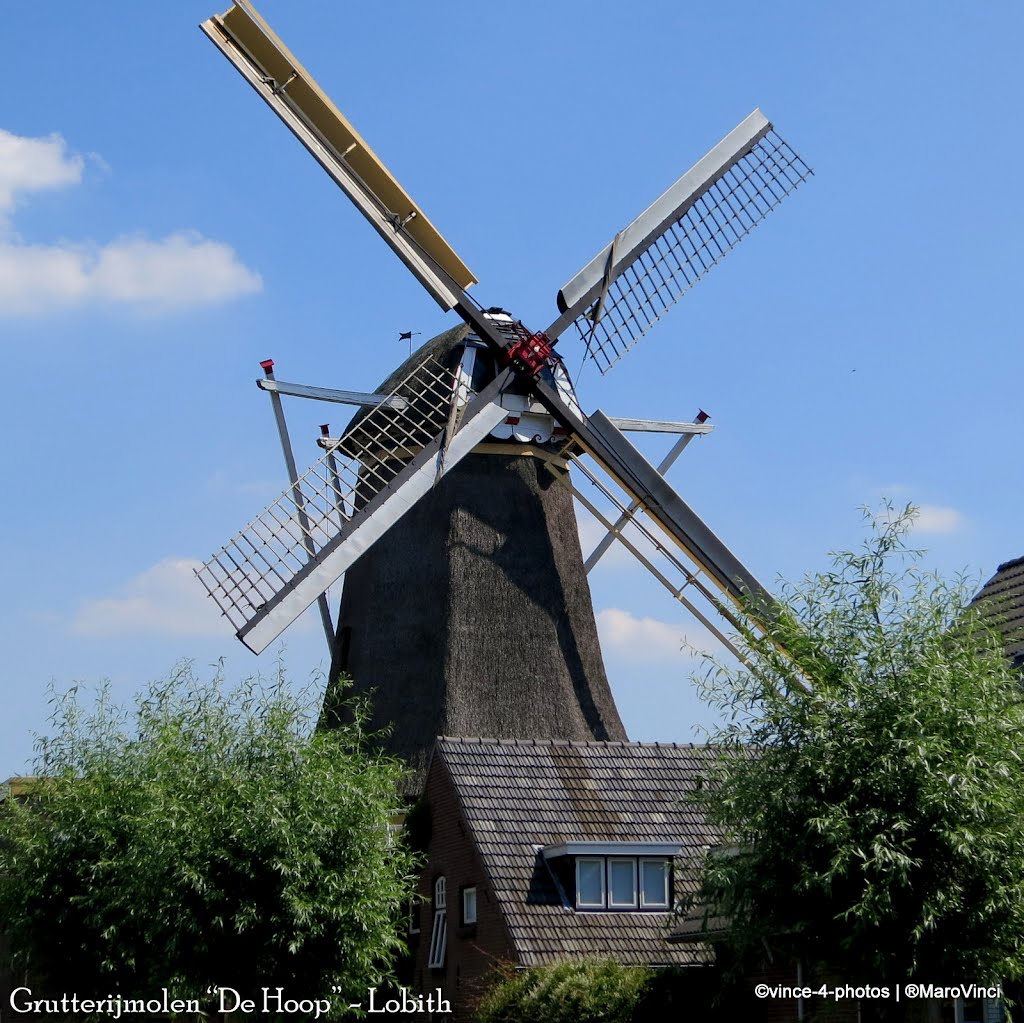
870, 790
577, 991
205, 838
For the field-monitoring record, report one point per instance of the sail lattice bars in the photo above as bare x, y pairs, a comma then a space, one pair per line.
643, 542
626, 288
272, 570
271, 69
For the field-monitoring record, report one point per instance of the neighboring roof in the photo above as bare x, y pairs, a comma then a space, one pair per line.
17, 787
1002, 598
518, 796
696, 924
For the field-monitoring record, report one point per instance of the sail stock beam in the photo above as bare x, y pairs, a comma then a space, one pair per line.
651, 492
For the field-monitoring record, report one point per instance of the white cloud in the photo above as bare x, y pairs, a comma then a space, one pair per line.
165, 600
32, 165
645, 639
935, 518
181, 271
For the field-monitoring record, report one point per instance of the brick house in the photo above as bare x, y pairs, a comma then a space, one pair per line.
541, 850
546, 849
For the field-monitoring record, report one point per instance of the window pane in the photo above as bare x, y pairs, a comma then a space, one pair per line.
438, 940
654, 882
621, 882
469, 905
590, 882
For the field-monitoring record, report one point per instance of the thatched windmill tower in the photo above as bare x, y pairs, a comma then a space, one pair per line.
474, 616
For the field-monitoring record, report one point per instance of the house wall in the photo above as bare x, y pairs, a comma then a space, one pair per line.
473, 952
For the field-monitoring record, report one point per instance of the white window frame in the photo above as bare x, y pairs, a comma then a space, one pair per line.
666, 867
636, 863
600, 861
439, 933
631, 862
469, 893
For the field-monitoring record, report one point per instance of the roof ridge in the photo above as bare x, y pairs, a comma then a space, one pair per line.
599, 743
1012, 563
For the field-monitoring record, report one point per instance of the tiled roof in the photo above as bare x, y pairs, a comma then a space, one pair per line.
696, 924
520, 795
1003, 597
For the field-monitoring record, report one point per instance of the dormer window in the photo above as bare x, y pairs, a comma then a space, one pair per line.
616, 876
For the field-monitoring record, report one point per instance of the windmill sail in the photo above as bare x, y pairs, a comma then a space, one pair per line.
263, 60
272, 570
626, 288
610, 448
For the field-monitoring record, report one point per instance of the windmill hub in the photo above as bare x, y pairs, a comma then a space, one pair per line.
528, 421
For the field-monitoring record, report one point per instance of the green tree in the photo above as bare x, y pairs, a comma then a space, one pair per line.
204, 838
870, 790
574, 991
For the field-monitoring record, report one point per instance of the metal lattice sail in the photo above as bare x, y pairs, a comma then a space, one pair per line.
648, 267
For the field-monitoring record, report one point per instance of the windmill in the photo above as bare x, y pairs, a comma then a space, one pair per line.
429, 443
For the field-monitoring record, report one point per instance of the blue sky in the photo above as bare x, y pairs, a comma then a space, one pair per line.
161, 233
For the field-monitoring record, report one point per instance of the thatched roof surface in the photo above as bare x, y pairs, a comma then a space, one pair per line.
439, 347
473, 615
519, 796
